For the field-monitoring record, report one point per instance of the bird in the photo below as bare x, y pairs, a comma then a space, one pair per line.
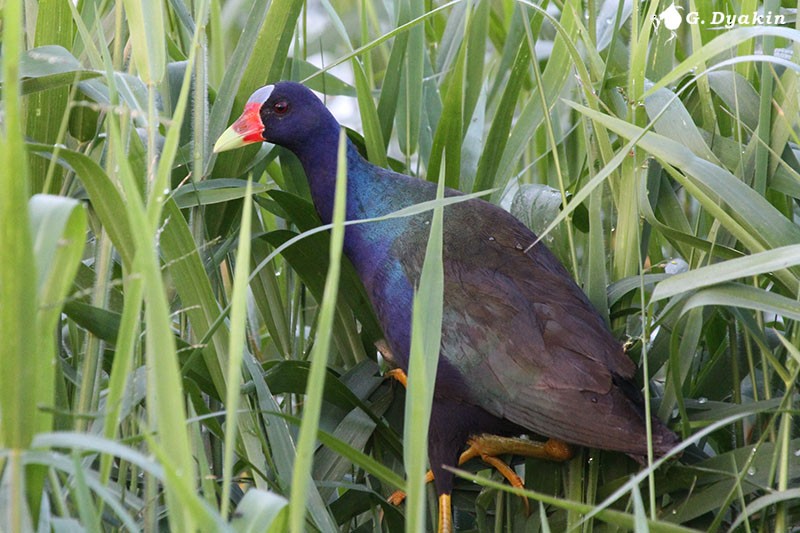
522, 351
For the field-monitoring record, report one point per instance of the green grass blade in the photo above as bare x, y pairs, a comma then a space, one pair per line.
752, 219
106, 198
751, 265
272, 44
745, 296
194, 287
426, 334
410, 90
149, 48
236, 347
47, 110
19, 362
726, 41
319, 355
122, 366
613, 517
376, 147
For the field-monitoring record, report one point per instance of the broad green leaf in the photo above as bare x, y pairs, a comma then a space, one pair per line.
738, 95
58, 228
105, 198
260, 511
67, 465
536, 206
671, 119
47, 60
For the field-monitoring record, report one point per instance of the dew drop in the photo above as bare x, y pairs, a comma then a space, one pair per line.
491, 238
702, 400
797, 453
518, 246
166, 191
751, 471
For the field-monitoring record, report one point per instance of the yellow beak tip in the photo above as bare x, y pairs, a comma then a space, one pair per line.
229, 140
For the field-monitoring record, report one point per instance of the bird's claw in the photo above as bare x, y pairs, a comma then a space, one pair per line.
396, 498
399, 375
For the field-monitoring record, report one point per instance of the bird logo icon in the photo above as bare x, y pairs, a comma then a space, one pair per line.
671, 18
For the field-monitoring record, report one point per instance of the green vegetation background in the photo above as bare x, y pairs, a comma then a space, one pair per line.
173, 356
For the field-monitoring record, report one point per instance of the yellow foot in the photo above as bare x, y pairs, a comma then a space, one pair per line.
396, 373
488, 447
399, 375
493, 445
398, 496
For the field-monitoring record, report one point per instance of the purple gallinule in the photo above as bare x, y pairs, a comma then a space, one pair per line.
522, 350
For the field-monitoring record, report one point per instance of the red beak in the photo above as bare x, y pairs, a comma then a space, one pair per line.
248, 128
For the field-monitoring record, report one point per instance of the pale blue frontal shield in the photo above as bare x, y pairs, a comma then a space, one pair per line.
261, 95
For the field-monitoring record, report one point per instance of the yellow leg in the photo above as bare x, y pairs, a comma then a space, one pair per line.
488, 447
445, 514
510, 475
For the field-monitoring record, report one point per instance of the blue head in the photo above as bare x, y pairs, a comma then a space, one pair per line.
287, 114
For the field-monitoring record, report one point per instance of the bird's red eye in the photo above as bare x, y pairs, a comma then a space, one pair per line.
280, 107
